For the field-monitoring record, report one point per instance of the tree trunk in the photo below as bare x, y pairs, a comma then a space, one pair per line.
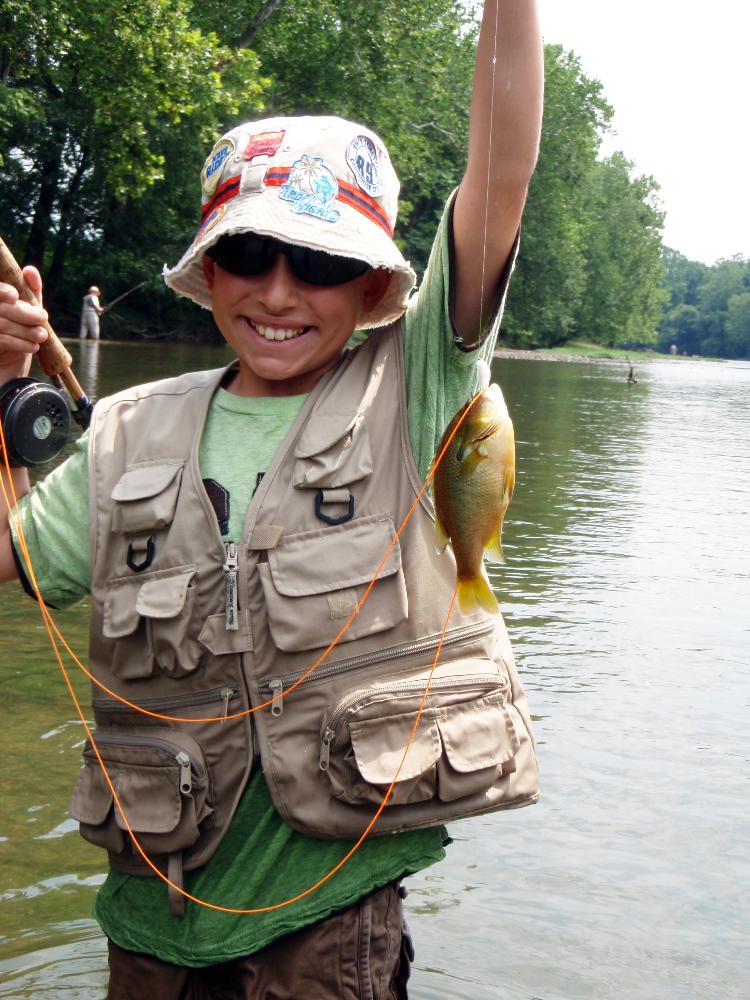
36, 243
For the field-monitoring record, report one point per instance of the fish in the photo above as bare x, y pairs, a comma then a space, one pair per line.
472, 488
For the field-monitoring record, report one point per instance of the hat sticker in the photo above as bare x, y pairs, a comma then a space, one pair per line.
312, 188
263, 144
210, 221
363, 157
214, 165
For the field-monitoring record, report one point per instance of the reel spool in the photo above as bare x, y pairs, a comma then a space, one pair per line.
36, 421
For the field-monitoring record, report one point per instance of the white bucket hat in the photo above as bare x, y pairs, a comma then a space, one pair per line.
321, 182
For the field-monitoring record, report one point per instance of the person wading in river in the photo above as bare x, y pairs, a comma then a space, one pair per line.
90, 313
226, 525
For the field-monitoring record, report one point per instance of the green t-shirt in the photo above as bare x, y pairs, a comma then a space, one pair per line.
260, 860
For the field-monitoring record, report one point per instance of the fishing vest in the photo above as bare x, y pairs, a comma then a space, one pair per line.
325, 618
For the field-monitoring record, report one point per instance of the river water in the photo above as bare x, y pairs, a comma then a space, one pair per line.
626, 591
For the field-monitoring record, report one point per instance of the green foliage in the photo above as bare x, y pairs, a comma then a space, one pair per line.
709, 312
108, 110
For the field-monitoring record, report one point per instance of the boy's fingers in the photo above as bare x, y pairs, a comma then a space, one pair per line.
34, 281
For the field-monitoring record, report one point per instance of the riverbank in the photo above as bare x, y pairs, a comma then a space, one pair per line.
581, 350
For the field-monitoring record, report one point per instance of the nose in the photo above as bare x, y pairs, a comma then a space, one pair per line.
277, 288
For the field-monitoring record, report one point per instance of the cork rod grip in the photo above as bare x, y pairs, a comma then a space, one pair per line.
53, 357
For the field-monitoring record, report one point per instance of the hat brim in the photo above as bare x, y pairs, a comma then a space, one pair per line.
269, 217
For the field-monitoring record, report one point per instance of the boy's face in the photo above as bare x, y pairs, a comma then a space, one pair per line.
286, 333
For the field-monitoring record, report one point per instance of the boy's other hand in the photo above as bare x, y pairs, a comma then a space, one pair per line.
21, 327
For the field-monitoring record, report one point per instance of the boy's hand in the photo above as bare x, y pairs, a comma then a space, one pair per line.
21, 327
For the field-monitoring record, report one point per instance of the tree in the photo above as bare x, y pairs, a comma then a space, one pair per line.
89, 95
624, 294
550, 278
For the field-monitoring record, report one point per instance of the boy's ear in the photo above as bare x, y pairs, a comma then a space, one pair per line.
377, 282
208, 271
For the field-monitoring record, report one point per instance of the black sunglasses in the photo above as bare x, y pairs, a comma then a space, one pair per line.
250, 255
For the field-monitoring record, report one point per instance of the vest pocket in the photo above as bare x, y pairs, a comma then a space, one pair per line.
465, 741
314, 580
145, 498
154, 621
161, 780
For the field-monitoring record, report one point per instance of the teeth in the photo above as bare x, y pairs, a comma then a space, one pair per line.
277, 333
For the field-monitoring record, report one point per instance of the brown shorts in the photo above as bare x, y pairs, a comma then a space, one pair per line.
362, 953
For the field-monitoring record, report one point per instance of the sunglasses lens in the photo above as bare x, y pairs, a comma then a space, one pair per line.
248, 255
318, 268
244, 254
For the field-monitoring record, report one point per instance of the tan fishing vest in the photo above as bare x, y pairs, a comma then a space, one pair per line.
183, 625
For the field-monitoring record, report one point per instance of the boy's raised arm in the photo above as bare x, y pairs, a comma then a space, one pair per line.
503, 147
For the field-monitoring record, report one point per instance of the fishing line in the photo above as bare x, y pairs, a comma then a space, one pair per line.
51, 625
46, 617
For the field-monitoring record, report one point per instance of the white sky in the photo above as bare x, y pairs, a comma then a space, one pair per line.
676, 73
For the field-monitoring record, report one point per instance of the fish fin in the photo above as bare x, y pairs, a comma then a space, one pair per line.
470, 462
441, 537
475, 593
494, 550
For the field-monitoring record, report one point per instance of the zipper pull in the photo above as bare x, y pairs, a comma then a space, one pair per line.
276, 687
186, 777
325, 748
226, 695
231, 565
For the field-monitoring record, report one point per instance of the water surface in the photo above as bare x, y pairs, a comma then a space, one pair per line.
625, 590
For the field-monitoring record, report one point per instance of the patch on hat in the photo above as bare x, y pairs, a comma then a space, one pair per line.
210, 221
312, 188
213, 166
263, 144
363, 157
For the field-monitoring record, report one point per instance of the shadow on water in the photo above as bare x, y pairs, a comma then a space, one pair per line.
625, 591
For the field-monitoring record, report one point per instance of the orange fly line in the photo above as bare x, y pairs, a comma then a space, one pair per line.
54, 634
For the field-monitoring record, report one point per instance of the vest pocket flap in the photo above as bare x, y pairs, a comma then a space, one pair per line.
379, 746
149, 795
164, 597
91, 799
335, 557
477, 734
326, 430
336, 454
145, 498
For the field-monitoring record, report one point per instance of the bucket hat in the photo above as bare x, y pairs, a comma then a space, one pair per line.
319, 182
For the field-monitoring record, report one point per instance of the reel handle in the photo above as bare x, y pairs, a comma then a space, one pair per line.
53, 356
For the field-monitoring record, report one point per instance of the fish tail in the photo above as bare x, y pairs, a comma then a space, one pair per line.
474, 593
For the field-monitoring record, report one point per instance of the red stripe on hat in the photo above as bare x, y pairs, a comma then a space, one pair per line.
348, 194
223, 193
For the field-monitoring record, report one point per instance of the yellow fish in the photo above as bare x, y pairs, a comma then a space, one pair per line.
473, 486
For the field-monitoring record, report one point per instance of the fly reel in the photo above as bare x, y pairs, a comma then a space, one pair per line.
35, 419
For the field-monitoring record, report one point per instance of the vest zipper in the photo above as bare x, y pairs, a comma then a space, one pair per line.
224, 695
231, 564
278, 684
359, 699
189, 767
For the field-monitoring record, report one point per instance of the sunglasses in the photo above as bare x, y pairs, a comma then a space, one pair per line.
250, 255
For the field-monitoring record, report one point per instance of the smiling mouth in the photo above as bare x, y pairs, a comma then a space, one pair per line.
278, 332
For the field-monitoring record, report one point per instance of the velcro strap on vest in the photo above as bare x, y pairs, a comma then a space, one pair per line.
265, 536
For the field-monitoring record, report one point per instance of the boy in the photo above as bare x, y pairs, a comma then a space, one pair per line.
235, 519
